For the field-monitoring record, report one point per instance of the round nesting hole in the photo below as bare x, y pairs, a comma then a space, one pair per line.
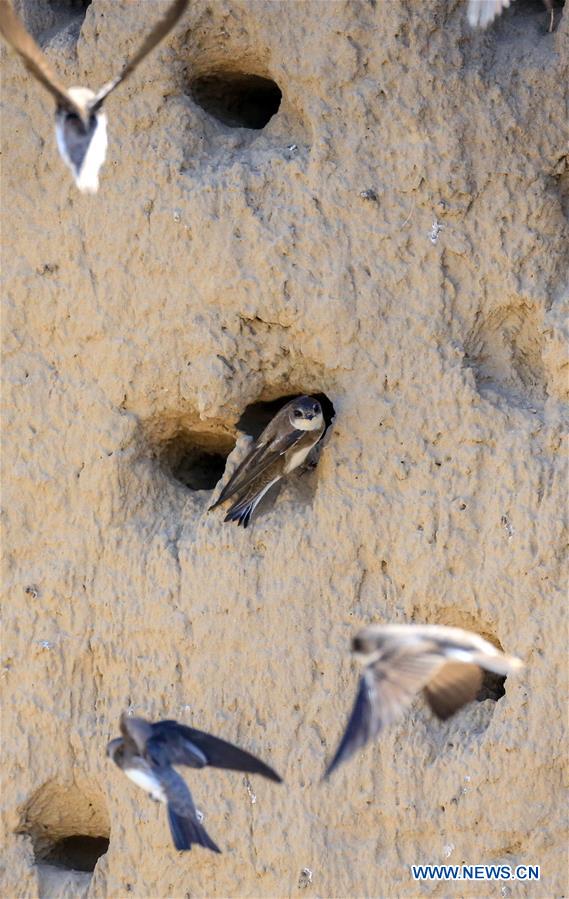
196, 460
68, 826
237, 99
257, 416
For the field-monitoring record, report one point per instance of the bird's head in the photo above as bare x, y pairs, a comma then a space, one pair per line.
366, 646
115, 750
82, 97
305, 414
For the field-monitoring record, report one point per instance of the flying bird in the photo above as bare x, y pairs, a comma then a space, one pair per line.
147, 753
447, 663
283, 446
80, 123
482, 13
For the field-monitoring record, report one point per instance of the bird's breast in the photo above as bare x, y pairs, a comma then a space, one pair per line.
146, 781
297, 457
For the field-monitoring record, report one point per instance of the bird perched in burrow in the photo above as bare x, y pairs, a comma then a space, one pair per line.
283, 446
482, 13
147, 753
80, 123
400, 660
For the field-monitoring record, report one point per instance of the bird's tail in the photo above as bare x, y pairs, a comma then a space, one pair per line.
242, 510
186, 831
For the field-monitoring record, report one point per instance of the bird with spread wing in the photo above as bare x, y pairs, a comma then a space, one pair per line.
148, 753
446, 663
283, 446
80, 123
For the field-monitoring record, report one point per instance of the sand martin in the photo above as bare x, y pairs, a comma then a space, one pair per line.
482, 13
80, 123
147, 753
401, 660
283, 446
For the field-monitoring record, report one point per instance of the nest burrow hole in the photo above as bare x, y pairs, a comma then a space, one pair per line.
50, 20
76, 853
65, 11
492, 687
194, 459
237, 99
69, 828
197, 459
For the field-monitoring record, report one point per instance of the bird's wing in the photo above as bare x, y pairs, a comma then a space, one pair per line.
248, 500
185, 826
458, 645
482, 12
263, 453
452, 686
385, 690
35, 61
160, 30
176, 744
136, 731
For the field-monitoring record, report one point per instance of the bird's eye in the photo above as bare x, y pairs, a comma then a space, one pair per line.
315, 407
298, 413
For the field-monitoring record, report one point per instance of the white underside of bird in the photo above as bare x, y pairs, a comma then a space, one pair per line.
296, 459
87, 177
147, 782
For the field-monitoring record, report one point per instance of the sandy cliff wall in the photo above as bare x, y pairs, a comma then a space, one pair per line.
394, 238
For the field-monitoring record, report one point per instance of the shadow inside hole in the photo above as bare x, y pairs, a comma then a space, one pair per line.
57, 20
196, 460
69, 7
75, 853
237, 99
492, 687
539, 16
536, 7
257, 416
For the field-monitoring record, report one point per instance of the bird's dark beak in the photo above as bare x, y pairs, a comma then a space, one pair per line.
309, 416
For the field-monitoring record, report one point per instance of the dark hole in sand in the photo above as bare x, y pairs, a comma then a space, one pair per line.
492, 687
196, 460
237, 99
75, 853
